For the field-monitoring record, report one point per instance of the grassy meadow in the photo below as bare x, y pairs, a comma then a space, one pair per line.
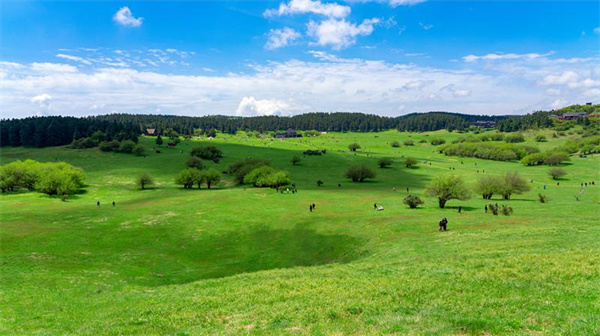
238, 260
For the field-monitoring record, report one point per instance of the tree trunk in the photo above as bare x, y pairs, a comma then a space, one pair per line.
442, 202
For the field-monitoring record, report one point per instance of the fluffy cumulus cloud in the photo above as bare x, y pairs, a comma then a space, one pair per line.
249, 106
325, 83
125, 18
339, 34
277, 38
332, 10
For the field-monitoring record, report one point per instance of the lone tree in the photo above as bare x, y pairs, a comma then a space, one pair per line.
353, 147
210, 177
412, 201
410, 162
385, 162
557, 173
359, 173
513, 183
144, 180
159, 140
295, 160
447, 187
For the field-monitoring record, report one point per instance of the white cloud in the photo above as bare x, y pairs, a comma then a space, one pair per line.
425, 26
125, 18
40, 99
74, 58
510, 56
331, 10
566, 77
339, 34
249, 106
278, 38
52, 67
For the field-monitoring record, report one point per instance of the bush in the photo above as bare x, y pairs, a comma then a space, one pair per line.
353, 147
295, 160
448, 187
395, 144
138, 150
410, 162
534, 159
359, 173
207, 152
19, 174
409, 142
489, 151
412, 201
556, 158
127, 146
59, 179
437, 141
144, 180
557, 173
385, 162
497, 137
540, 138
543, 198
210, 177
267, 176
319, 183
84, 143
493, 208
507, 210
194, 162
487, 186
241, 168
514, 138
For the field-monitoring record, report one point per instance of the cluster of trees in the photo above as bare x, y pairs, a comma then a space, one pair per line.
207, 152
551, 158
505, 185
259, 173
194, 176
433, 121
56, 178
125, 146
489, 151
437, 141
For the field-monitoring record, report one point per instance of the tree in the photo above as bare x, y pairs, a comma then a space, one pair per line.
319, 183
359, 173
295, 160
210, 177
557, 173
59, 179
513, 183
488, 185
395, 144
410, 162
126, 146
144, 180
207, 152
188, 177
385, 162
448, 187
412, 201
266, 176
194, 162
534, 159
159, 140
138, 150
99, 136
353, 147
514, 137
556, 158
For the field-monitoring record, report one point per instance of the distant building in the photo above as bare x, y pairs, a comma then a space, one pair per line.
572, 116
151, 131
485, 123
290, 133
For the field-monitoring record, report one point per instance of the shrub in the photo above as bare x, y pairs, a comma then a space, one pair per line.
267, 176
126, 146
556, 158
448, 187
534, 159
210, 177
194, 162
423, 141
359, 173
514, 138
493, 208
409, 142
557, 173
319, 183
138, 150
497, 137
487, 186
19, 174
437, 141
489, 151
395, 144
144, 180
241, 168
513, 183
207, 152
107, 146
543, 198
353, 147
507, 210
295, 160
410, 162
412, 201
540, 138
84, 143
59, 179
385, 162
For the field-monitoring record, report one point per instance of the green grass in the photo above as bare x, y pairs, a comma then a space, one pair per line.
240, 261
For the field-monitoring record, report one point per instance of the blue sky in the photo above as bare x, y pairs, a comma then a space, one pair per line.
387, 57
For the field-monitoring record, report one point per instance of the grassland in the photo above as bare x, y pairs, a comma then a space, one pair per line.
245, 261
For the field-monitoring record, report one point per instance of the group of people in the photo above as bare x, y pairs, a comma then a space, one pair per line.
312, 207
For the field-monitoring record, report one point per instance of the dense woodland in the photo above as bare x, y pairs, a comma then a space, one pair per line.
57, 130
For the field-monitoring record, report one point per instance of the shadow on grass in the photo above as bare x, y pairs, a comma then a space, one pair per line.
177, 260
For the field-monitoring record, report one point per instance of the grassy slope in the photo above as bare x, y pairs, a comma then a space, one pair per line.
236, 261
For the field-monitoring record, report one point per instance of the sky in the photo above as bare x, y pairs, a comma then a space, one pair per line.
248, 58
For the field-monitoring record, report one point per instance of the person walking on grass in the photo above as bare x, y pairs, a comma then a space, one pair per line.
114, 203
459, 209
310, 207
98, 203
486, 209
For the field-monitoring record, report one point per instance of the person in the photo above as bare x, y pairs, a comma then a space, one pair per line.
114, 203
544, 187
459, 209
485, 209
374, 206
314, 206
98, 203
557, 183
443, 224
339, 185
407, 190
310, 208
